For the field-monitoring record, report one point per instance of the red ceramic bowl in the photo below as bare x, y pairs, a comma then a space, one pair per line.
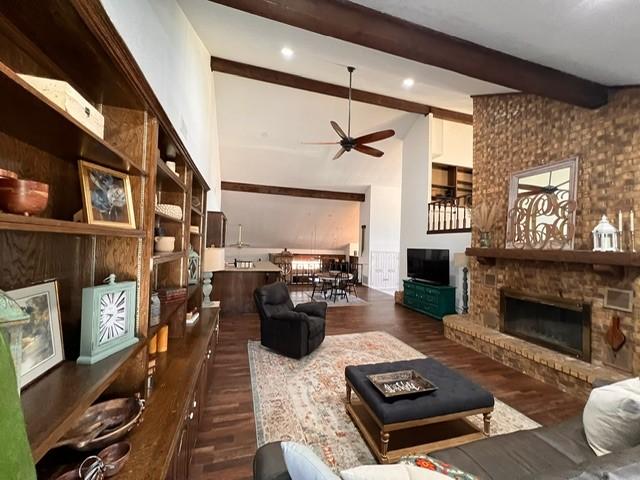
7, 174
23, 197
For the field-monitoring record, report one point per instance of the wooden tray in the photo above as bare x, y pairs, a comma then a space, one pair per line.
401, 383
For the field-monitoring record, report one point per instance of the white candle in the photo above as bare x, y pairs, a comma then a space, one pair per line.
631, 221
620, 220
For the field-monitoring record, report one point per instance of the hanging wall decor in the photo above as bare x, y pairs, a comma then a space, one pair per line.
542, 207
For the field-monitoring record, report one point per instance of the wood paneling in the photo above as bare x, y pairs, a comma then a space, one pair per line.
301, 83
227, 440
234, 289
367, 27
292, 192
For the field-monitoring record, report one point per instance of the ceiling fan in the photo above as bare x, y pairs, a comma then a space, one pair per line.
348, 143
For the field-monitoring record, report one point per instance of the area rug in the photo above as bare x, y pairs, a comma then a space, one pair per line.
303, 296
303, 400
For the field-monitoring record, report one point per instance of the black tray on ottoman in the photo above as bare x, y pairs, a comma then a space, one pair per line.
419, 424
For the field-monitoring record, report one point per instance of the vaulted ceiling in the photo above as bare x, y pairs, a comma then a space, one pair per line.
593, 39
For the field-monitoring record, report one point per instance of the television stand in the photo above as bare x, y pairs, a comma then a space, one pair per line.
433, 300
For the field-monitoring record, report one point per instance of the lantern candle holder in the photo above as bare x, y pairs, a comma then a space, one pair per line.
606, 237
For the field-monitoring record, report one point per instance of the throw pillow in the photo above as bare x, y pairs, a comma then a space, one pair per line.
435, 465
303, 464
390, 472
611, 417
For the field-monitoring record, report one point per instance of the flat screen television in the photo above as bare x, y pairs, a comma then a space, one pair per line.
428, 265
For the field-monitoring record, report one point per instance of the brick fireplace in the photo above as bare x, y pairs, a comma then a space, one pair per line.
514, 132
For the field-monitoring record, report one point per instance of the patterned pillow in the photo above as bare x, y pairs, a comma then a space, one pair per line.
430, 463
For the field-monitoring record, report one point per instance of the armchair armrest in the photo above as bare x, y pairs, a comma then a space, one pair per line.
290, 316
314, 309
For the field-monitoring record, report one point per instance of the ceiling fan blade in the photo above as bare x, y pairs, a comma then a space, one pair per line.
374, 152
319, 143
338, 130
375, 137
339, 154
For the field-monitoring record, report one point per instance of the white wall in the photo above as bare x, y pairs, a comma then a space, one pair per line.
175, 62
452, 143
416, 152
277, 221
455, 147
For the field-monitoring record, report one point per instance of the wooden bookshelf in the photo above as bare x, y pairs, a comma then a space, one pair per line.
48, 420
44, 125
450, 181
40, 141
51, 225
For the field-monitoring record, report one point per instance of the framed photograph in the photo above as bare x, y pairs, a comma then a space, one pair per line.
42, 347
106, 196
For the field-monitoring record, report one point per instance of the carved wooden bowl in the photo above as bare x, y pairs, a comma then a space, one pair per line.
7, 174
23, 197
114, 457
103, 424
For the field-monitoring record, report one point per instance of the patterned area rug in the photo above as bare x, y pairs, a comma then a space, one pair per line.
303, 400
303, 296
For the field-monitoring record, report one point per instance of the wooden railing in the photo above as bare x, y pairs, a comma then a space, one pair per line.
450, 215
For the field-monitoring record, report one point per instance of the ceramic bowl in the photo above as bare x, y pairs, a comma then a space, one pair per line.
23, 197
114, 457
165, 244
7, 174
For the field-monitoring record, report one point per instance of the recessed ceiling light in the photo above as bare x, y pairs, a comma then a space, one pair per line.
286, 52
408, 82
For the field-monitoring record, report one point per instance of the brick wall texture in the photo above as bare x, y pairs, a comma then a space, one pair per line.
517, 132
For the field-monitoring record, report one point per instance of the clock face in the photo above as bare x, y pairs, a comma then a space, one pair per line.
113, 316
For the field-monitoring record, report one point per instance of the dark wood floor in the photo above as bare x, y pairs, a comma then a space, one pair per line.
227, 439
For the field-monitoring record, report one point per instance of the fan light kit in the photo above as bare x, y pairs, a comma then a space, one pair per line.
348, 143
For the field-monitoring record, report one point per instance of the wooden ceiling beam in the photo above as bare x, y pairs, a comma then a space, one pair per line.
292, 192
294, 81
373, 29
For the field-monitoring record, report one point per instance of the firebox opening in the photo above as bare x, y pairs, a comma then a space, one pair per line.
556, 323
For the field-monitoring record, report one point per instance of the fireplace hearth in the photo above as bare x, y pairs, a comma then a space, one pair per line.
556, 323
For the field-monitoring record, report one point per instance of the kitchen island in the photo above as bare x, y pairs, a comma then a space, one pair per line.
234, 286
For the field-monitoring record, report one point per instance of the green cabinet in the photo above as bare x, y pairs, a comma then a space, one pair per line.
434, 300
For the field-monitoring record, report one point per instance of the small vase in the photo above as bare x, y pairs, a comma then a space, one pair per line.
485, 239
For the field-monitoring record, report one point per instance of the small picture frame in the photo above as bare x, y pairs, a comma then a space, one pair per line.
106, 196
42, 347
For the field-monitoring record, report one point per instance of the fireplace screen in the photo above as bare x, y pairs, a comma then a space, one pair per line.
558, 324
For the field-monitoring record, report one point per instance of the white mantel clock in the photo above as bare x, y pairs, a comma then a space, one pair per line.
108, 319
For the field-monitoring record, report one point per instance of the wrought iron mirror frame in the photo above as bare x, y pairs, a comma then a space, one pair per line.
572, 163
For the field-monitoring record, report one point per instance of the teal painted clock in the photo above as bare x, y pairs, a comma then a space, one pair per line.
108, 319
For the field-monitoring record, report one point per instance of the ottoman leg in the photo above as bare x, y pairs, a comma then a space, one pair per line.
348, 393
487, 423
384, 446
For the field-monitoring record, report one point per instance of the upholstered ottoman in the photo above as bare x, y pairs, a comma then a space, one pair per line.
417, 424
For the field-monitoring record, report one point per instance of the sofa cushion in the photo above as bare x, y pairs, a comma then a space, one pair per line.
612, 417
303, 464
390, 472
268, 464
522, 454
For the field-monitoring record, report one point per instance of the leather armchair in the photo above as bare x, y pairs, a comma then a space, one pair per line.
288, 330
